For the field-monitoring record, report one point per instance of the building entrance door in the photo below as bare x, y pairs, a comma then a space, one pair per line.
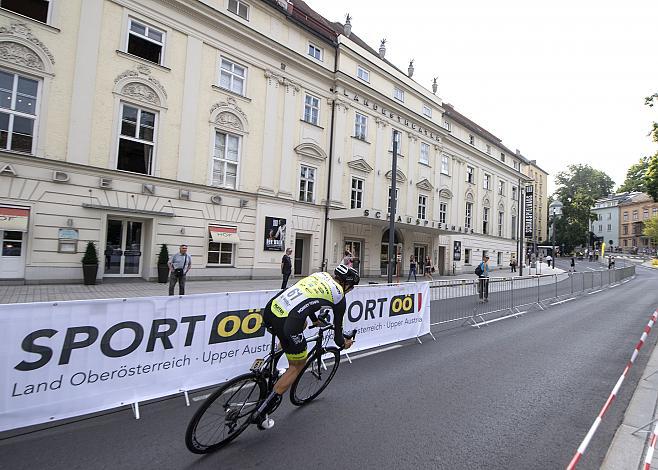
398, 250
420, 251
442, 261
299, 256
123, 248
354, 247
12, 256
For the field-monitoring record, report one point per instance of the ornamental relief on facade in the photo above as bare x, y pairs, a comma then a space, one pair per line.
142, 76
141, 92
229, 114
23, 32
227, 119
20, 55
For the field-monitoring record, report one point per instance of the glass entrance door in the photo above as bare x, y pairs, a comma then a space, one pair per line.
354, 247
12, 255
123, 248
420, 251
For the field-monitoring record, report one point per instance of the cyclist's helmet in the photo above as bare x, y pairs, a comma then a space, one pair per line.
347, 274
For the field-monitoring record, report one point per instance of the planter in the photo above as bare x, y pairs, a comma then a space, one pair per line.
163, 274
89, 272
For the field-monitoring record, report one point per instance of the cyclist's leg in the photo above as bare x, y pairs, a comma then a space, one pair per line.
294, 345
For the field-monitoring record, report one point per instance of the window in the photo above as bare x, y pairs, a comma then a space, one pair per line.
356, 197
501, 218
471, 139
397, 192
422, 206
485, 220
516, 165
232, 76
360, 126
635, 215
470, 174
239, 8
501, 188
315, 52
312, 109
362, 73
445, 165
443, 212
447, 125
136, 140
645, 214
225, 160
499, 258
514, 198
145, 42
513, 227
469, 215
424, 153
600, 217
220, 254
398, 94
600, 228
467, 256
609, 227
306, 184
487, 181
489, 149
654, 212
502, 157
18, 108
625, 216
35, 9
625, 242
609, 216
427, 111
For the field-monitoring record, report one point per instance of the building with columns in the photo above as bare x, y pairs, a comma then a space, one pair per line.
238, 128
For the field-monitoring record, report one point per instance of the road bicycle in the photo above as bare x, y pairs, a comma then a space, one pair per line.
228, 411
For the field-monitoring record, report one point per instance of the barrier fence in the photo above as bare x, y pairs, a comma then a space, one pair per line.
472, 299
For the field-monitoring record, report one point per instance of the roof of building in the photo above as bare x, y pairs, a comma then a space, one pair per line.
635, 198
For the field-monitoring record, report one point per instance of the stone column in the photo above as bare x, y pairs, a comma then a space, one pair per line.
382, 164
269, 157
288, 173
340, 157
188, 127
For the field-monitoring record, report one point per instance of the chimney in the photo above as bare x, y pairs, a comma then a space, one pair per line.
347, 28
518, 152
410, 70
435, 86
382, 49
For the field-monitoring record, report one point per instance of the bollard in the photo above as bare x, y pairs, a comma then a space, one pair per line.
572, 276
555, 276
538, 295
512, 306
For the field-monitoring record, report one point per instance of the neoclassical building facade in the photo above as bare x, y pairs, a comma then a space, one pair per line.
238, 128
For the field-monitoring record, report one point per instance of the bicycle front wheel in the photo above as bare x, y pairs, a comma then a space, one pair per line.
316, 375
225, 414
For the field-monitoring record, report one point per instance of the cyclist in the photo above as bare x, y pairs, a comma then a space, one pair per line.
286, 314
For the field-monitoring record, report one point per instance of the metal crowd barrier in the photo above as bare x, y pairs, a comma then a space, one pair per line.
469, 300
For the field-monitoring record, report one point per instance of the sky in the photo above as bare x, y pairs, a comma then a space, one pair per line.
563, 81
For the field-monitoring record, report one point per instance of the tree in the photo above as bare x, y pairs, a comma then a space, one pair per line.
578, 188
636, 177
651, 230
651, 178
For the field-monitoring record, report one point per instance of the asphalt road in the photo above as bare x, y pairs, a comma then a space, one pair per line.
520, 393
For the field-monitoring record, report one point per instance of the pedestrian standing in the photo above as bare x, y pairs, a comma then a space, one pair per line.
512, 265
412, 268
429, 269
286, 268
572, 268
348, 259
482, 272
179, 266
549, 260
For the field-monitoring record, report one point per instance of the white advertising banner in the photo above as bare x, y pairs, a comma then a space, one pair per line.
65, 359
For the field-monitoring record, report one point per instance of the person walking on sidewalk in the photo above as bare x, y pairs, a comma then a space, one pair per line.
549, 260
482, 272
412, 268
286, 268
572, 268
428, 268
179, 266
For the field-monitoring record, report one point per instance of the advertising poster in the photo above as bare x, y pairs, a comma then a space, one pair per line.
275, 234
457, 251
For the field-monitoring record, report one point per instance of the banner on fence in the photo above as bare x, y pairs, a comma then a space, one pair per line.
71, 358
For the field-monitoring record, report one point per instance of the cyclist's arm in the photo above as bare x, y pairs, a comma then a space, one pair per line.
339, 313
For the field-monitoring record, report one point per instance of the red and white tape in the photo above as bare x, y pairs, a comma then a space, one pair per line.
613, 395
652, 447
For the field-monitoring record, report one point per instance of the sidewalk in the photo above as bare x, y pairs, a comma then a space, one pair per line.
136, 287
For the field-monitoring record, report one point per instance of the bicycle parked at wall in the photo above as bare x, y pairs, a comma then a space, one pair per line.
229, 411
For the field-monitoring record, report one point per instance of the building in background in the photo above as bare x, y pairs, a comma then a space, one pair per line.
607, 223
634, 211
540, 182
238, 128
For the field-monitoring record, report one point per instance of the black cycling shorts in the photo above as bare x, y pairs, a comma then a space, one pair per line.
290, 332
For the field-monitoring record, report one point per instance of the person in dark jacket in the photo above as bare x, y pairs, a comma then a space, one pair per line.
286, 268
412, 268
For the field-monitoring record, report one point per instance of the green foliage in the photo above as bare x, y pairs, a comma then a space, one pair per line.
636, 177
91, 255
651, 229
163, 256
651, 178
578, 188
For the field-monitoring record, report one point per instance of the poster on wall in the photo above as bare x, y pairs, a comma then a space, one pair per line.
275, 234
457, 251
529, 209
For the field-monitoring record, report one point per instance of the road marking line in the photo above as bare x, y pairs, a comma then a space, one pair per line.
563, 301
594, 292
370, 353
614, 285
501, 318
591, 269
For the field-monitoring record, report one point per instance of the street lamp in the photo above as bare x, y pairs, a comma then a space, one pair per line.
555, 210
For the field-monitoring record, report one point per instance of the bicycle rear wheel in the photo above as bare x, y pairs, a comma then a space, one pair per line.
225, 413
315, 376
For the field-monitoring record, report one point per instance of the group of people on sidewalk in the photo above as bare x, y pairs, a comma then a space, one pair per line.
428, 268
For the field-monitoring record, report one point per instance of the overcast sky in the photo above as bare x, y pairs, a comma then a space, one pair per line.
563, 81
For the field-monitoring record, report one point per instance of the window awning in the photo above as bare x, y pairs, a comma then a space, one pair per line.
14, 219
224, 234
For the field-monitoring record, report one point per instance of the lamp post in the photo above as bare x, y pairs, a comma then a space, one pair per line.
555, 209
